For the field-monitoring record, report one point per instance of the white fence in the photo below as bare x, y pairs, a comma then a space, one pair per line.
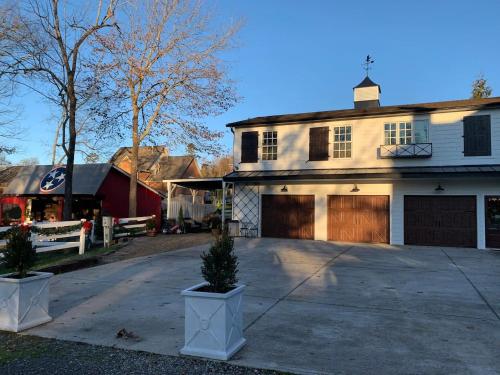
196, 211
49, 242
124, 227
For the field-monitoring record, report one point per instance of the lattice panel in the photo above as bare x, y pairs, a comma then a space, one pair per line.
246, 204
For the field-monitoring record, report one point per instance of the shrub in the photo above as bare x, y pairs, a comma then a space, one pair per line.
220, 265
151, 224
19, 254
215, 222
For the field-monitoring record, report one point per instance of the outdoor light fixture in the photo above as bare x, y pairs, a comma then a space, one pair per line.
284, 189
439, 188
355, 189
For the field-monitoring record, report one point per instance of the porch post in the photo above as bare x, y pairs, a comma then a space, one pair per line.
169, 197
223, 214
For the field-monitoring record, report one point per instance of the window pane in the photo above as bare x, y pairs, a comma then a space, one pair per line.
342, 141
421, 131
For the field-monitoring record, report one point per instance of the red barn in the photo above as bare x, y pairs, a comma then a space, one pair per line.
37, 193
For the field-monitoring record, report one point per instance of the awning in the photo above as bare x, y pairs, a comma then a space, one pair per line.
365, 173
214, 183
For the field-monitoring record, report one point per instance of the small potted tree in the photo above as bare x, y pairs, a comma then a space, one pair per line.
151, 227
180, 220
24, 294
213, 309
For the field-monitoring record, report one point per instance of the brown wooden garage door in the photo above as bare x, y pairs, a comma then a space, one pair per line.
358, 218
288, 216
440, 220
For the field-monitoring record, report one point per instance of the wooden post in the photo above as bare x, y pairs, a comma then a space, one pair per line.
169, 198
223, 214
107, 228
81, 249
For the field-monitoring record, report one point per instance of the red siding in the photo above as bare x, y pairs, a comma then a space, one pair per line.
114, 192
20, 201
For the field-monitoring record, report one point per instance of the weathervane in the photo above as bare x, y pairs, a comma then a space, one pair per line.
367, 64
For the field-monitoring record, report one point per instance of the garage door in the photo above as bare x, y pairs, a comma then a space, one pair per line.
440, 220
288, 216
358, 218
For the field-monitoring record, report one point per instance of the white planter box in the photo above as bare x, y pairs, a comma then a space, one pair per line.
24, 303
213, 323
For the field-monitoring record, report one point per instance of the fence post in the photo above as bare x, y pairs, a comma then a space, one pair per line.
92, 232
107, 228
81, 248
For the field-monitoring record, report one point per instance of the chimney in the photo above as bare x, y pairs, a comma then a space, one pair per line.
367, 94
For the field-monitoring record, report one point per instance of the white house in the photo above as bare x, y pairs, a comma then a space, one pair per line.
422, 174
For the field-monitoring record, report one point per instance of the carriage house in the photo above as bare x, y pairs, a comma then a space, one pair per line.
416, 174
37, 193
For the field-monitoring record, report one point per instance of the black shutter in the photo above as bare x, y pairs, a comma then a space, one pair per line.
318, 144
477, 135
249, 147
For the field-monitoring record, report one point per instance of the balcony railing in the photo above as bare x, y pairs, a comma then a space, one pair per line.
415, 150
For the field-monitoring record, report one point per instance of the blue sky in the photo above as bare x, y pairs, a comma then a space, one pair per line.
300, 56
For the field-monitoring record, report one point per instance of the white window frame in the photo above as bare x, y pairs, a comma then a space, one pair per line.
342, 142
269, 145
399, 132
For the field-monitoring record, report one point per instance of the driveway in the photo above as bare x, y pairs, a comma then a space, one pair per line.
310, 306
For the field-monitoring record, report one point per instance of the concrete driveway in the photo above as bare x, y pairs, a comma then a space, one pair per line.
311, 306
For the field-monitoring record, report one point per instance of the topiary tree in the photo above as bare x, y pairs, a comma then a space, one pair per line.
220, 265
19, 254
180, 219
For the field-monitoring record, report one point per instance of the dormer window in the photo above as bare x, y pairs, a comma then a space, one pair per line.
270, 145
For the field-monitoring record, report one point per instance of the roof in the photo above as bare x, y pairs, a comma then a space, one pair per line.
173, 167
419, 108
367, 82
7, 175
365, 173
87, 179
209, 183
148, 155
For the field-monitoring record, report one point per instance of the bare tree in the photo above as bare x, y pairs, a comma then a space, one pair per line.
217, 167
44, 44
165, 65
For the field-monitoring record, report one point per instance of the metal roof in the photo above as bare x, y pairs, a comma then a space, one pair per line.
87, 178
419, 108
365, 173
209, 183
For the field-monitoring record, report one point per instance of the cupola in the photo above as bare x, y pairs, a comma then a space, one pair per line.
367, 94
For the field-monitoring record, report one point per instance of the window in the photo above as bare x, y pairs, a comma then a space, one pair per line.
249, 146
405, 137
390, 134
318, 143
270, 145
477, 135
342, 140
405, 133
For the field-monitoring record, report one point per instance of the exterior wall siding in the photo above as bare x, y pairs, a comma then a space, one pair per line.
395, 190
445, 134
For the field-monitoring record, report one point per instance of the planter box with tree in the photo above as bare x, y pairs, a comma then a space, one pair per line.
24, 295
214, 309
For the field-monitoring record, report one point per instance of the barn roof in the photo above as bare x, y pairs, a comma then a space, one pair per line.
8, 174
87, 179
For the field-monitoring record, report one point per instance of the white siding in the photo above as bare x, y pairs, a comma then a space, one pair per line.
396, 191
445, 134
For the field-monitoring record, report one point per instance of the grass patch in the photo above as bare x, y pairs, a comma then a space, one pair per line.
55, 258
14, 347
